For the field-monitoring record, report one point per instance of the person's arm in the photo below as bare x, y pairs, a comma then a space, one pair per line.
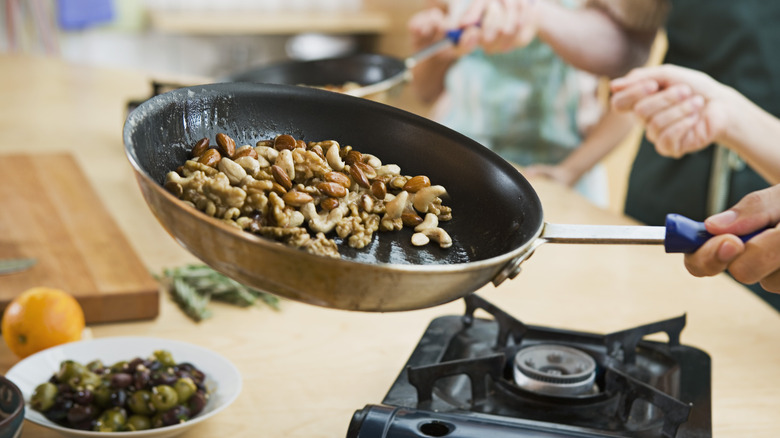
591, 40
613, 128
686, 110
588, 38
758, 260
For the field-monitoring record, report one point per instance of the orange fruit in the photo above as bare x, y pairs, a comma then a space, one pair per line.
40, 318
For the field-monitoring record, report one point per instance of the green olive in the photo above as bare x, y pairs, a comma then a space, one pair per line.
185, 387
69, 370
165, 358
164, 397
85, 379
141, 402
138, 422
102, 394
112, 420
95, 365
43, 397
119, 366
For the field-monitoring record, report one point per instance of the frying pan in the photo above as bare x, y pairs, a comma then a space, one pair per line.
373, 72
497, 217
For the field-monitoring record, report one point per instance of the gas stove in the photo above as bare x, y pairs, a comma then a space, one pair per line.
475, 377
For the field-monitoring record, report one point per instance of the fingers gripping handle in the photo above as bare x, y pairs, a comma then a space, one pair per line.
684, 235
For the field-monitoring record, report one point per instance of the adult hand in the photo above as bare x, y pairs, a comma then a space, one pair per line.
499, 25
758, 260
684, 110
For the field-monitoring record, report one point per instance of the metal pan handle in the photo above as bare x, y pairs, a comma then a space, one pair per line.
679, 235
452, 37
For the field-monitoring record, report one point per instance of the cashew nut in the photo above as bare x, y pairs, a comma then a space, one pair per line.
333, 157
420, 239
395, 207
373, 161
425, 196
430, 221
268, 153
438, 235
232, 170
250, 165
388, 169
285, 161
321, 222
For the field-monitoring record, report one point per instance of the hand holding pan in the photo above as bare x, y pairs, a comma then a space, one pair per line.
497, 216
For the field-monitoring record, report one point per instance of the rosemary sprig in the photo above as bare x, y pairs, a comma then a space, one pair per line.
192, 287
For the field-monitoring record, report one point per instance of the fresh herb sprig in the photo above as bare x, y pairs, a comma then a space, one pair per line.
192, 287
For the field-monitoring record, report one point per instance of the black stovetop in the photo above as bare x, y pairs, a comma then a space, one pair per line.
460, 382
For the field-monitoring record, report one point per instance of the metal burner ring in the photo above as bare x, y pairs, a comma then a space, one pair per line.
553, 369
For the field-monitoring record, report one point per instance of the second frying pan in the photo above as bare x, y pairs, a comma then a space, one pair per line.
373, 72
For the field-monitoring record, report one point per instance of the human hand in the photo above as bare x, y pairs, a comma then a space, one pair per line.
758, 260
428, 26
499, 25
555, 173
684, 110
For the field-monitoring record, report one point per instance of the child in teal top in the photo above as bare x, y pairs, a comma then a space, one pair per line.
527, 105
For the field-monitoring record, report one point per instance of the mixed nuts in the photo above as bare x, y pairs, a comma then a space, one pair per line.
285, 189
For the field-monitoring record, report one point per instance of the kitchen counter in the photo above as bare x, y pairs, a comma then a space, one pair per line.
307, 369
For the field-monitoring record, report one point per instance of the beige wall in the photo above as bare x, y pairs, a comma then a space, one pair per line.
396, 41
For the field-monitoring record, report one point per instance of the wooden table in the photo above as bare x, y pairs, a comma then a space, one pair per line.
307, 369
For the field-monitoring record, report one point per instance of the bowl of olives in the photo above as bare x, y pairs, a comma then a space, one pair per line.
126, 386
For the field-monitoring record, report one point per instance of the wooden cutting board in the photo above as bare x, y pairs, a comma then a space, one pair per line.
50, 212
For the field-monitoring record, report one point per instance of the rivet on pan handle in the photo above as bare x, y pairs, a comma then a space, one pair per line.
513, 268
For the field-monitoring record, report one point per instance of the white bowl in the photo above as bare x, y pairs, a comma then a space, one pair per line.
222, 377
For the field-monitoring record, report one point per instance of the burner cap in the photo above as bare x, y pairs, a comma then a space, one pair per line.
553, 369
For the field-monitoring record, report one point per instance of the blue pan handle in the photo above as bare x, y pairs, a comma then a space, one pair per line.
454, 35
684, 235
